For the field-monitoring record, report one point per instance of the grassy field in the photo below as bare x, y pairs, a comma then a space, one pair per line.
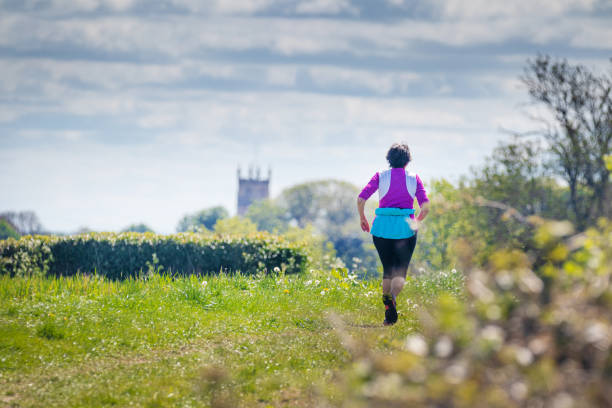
191, 342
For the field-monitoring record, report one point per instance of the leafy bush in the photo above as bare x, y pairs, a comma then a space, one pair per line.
128, 254
535, 330
26, 256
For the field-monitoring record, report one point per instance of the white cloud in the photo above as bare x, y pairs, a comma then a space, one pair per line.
180, 36
376, 82
62, 7
157, 121
120, 5
8, 116
486, 9
20, 73
226, 6
324, 7
593, 34
37, 135
75, 5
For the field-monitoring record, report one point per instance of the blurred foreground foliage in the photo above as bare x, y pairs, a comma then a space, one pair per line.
128, 254
533, 330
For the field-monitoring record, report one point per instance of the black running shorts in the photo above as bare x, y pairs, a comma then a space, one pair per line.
395, 255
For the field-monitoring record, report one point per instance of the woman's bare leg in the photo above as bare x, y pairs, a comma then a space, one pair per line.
396, 285
386, 284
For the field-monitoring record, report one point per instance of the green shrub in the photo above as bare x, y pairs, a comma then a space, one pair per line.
129, 254
25, 256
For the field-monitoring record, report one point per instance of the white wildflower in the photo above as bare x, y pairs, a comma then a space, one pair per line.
518, 391
444, 347
596, 333
529, 282
493, 334
504, 280
456, 373
539, 345
476, 285
416, 344
563, 400
523, 356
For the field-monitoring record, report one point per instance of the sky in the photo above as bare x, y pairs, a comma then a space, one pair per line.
115, 112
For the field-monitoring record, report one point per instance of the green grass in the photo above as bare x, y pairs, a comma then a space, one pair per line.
158, 342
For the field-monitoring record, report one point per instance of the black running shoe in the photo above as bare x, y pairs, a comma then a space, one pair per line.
390, 310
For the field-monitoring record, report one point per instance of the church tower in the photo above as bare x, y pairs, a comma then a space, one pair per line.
251, 189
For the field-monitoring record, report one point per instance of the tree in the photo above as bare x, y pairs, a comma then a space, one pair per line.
514, 174
235, 226
580, 132
325, 204
26, 222
83, 230
488, 209
268, 216
137, 228
7, 230
320, 250
206, 218
456, 232
329, 205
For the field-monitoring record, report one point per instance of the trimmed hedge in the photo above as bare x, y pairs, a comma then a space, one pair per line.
127, 254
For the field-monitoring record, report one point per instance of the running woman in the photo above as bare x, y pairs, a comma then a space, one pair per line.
394, 228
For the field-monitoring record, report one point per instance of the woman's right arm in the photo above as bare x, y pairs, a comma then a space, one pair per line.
365, 226
367, 191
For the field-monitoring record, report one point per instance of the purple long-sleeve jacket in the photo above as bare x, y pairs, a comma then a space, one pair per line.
397, 188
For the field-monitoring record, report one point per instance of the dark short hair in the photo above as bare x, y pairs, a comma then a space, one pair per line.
398, 155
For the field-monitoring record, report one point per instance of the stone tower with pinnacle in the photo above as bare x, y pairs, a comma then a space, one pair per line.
252, 188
